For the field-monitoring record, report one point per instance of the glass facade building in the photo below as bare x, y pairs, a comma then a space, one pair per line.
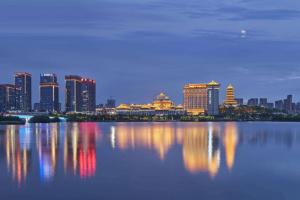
9, 97
80, 94
49, 93
213, 89
23, 81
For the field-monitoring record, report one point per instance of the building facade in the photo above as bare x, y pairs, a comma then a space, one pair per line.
9, 97
240, 101
195, 98
23, 82
213, 89
49, 93
253, 102
80, 94
88, 95
73, 101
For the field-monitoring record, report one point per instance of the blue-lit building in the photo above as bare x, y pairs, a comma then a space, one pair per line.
49, 93
213, 90
73, 101
23, 81
9, 97
88, 90
80, 94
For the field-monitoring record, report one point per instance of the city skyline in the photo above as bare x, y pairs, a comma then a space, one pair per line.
61, 103
222, 94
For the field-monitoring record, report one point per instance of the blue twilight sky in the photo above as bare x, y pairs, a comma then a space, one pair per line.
137, 48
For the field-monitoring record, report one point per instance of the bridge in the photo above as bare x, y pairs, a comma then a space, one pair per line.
28, 116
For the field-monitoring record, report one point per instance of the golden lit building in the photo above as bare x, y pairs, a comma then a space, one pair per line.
230, 99
162, 102
195, 98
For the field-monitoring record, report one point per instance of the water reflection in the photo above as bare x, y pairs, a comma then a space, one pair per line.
80, 149
201, 149
47, 143
18, 152
201, 143
159, 137
73, 147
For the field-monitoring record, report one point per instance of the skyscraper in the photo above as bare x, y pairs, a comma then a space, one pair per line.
49, 95
230, 100
240, 101
80, 94
195, 98
213, 98
288, 104
23, 81
88, 90
9, 97
279, 105
73, 101
253, 102
263, 102
110, 103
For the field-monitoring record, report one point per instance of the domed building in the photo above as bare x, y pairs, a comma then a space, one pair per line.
163, 102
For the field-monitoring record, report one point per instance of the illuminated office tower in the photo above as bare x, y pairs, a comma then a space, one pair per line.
9, 97
73, 93
80, 94
88, 90
213, 89
230, 100
49, 95
195, 98
23, 81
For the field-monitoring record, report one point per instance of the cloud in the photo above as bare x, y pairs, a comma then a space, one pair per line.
243, 14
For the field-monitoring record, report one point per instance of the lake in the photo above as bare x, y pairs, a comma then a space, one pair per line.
170, 160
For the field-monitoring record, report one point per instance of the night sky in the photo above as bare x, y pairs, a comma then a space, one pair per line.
138, 48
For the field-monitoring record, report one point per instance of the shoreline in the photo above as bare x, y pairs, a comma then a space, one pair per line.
167, 121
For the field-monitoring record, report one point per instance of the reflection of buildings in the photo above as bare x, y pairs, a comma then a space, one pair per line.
159, 137
200, 143
80, 148
230, 143
201, 149
47, 146
18, 152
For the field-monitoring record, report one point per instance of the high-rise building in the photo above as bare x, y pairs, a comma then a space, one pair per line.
80, 94
88, 95
270, 105
9, 97
73, 93
288, 104
240, 101
263, 102
279, 105
230, 100
195, 98
49, 95
253, 102
110, 103
23, 81
213, 89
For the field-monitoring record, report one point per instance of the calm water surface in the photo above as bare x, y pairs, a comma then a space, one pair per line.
150, 161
